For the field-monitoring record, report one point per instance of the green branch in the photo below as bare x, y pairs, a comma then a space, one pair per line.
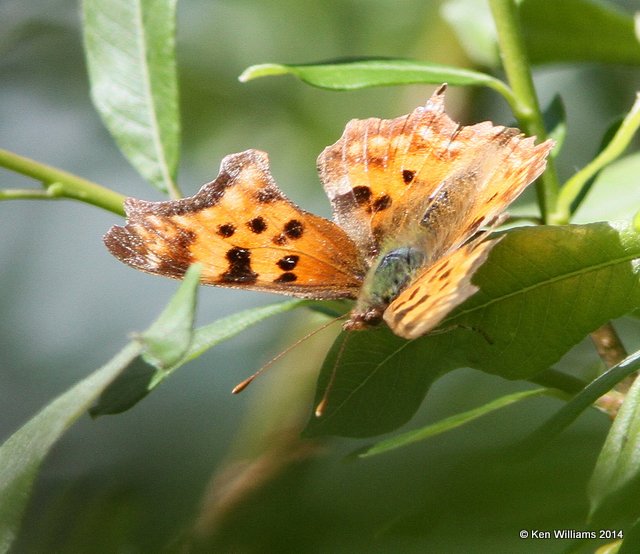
617, 145
526, 108
57, 184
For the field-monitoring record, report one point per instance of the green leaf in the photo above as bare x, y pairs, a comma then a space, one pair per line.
574, 188
448, 423
578, 31
140, 378
208, 336
543, 289
126, 390
130, 49
566, 415
614, 194
374, 72
167, 341
618, 466
22, 454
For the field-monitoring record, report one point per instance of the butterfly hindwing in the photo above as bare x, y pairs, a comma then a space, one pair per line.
437, 290
245, 233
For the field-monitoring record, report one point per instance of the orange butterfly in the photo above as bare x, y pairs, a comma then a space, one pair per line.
410, 196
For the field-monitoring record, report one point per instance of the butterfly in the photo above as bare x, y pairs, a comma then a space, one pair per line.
414, 199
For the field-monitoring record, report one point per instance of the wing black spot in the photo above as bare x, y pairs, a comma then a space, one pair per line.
257, 225
226, 230
381, 203
293, 229
286, 277
239, 267
287, 263
408, 175
362, 194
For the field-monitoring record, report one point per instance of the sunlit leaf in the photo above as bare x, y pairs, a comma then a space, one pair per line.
543, 289
130, 50
363, 73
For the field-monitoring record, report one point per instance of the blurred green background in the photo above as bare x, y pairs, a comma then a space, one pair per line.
137, 481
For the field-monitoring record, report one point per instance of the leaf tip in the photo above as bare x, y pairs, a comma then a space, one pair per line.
262, 70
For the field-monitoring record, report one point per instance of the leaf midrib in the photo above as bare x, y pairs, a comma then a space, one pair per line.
545, 282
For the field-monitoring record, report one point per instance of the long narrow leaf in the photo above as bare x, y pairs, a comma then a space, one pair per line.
619, 462
566, 415
140, 378
130, 49
22, 454
370, 72
448, 423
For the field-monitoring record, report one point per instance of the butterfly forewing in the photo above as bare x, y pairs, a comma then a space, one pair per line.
245, 233
367, 172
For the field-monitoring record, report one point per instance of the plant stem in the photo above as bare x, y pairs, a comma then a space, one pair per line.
58, 184
526, 109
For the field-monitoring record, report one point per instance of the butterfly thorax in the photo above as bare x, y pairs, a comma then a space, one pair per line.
390, 274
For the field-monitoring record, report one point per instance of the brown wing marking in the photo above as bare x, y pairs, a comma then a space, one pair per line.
439, 289
245, 233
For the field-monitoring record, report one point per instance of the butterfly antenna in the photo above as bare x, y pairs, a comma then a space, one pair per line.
244, 384
325, 397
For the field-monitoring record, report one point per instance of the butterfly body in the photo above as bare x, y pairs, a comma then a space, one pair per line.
390, 274
410, 196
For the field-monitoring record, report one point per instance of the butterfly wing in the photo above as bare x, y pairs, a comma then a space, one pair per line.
245, 233
498, 164
423, 179
367, 172
440, 288
475, 195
